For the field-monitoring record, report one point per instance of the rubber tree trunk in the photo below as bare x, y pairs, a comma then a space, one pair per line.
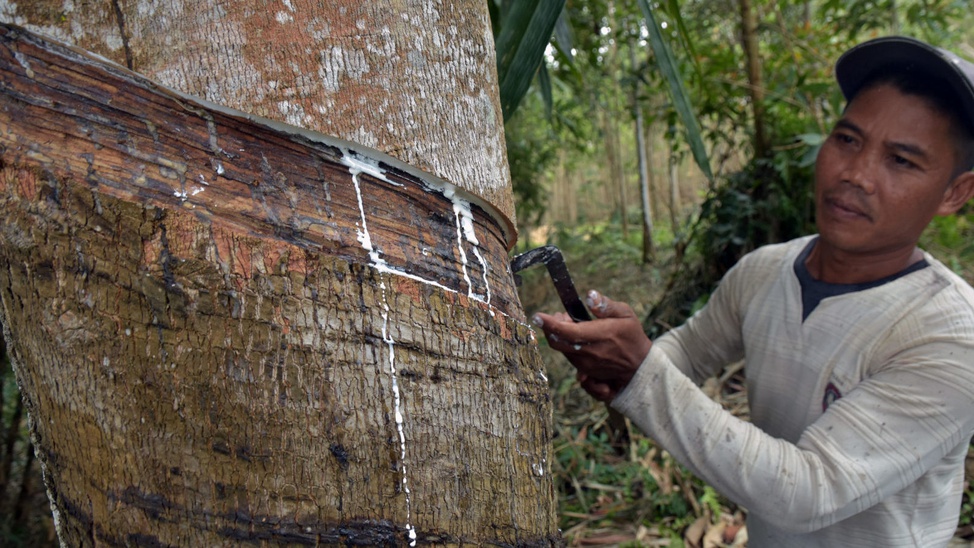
227, 330
414, 78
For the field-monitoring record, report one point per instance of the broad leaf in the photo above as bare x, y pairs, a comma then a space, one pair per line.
524, 34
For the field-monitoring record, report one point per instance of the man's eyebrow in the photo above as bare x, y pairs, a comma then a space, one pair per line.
846, 124
911, 149
908, 148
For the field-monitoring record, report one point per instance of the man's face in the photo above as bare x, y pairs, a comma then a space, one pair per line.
882, 173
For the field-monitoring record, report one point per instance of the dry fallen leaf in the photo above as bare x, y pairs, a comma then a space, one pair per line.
605, 540
715, 536
740, 539
693, 536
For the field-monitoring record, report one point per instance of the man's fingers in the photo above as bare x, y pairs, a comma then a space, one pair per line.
598, 390
604, 307
560, 325
553, 326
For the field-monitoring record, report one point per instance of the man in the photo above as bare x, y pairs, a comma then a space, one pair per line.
859, 347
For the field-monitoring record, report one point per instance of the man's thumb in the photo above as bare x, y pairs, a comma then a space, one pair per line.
604, 307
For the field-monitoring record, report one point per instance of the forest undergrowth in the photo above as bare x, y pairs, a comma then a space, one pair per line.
627, 492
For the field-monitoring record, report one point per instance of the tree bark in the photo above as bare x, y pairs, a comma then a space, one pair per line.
655, 187
415, 79
615, 179
674, 178
649, 249
233, 331
752, 60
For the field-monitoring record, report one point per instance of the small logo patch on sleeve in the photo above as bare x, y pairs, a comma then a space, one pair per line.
831, 394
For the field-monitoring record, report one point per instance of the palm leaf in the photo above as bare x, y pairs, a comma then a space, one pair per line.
678, 93
524, 34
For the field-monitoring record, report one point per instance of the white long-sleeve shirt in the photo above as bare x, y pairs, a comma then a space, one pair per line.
861, 415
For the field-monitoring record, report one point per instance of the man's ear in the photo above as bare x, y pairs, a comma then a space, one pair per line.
961, 190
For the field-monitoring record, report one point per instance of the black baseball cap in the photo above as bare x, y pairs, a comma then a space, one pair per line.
859, 62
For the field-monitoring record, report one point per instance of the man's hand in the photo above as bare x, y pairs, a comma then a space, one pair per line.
606, 351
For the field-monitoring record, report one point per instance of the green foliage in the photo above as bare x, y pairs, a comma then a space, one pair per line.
925, 19
967, 500
531, 149
666, 63
967, 506
522, 30
769, 199
951, 240
597, 486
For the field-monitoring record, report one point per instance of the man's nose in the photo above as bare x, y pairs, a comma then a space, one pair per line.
861, 171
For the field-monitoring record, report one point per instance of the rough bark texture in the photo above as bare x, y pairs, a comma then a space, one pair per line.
413, 78
229, 332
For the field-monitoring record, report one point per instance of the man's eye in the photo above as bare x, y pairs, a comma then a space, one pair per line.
903, 162
843, 138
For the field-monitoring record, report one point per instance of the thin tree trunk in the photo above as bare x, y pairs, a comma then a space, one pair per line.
645, 185
674, 192
557, 209
655, 187
619, 178
230, 331
649, 248
752, 60
610, 126
564, 193
615, 184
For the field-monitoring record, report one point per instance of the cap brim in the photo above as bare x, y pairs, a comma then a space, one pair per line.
856, 64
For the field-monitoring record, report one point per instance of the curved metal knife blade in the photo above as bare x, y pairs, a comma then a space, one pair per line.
553, 260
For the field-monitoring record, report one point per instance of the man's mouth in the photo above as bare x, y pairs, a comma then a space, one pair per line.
846, 208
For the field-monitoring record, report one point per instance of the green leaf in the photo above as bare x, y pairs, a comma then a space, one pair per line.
681, 101
544, 82
563, 37
673, 8
524, 34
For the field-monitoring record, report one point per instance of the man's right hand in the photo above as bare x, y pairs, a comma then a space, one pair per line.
606, 351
